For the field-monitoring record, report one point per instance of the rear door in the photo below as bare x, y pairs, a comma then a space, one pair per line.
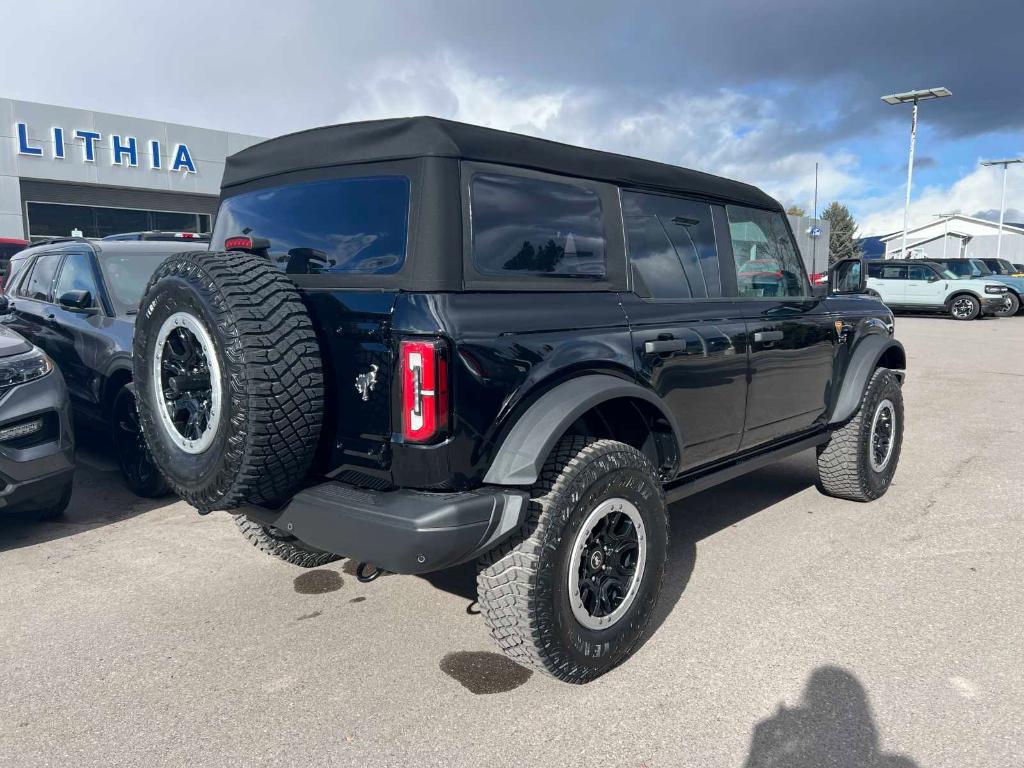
889, 281
32, 308
689, 343
343, 241
792, 335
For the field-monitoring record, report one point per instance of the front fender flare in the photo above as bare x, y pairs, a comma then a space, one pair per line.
526, 447
863, 362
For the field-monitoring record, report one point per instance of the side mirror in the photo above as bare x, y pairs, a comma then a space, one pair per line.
76, 301
847, 276
933, 278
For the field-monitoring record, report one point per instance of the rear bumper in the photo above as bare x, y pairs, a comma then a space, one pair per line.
400, 531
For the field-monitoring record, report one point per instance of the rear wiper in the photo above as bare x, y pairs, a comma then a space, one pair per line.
132, 311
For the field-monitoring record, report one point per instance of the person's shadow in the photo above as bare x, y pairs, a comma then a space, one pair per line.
831, 727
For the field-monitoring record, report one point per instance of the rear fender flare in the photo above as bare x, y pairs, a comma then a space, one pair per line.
865, 358
526, 447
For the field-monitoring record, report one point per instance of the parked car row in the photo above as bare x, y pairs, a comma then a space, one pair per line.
75, 300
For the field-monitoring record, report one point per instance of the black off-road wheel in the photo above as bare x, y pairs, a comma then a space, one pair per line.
137, 468
282, 545
573, 591
859, 460
228, 379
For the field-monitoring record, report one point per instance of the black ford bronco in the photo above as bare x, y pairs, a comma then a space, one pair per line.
417, 343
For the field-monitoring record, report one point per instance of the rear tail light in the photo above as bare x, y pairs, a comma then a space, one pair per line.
424, 390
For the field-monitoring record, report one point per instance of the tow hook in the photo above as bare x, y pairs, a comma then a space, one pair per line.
361, 575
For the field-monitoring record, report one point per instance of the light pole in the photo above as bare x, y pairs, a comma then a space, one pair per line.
913, 97
1002, 200
945, 229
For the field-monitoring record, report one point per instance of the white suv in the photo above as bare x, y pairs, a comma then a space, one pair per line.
924, 286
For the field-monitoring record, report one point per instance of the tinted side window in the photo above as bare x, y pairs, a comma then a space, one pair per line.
529, 226
874, 269
767, 263
77, 275
671, 243
889, 272
40, 282
916, 272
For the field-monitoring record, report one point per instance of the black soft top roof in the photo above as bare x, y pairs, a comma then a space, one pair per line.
412, 137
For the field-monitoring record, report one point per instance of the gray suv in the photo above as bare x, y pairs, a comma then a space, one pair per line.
36, 439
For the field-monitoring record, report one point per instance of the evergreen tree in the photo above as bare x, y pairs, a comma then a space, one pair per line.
842, 240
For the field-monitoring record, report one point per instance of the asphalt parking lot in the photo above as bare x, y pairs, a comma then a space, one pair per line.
794, 630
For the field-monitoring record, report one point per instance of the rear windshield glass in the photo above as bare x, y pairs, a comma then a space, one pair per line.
356, 226
527, 226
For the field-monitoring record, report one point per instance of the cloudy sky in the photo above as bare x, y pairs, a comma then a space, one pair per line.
755, 90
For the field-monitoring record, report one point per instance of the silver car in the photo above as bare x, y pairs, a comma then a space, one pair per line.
36, 436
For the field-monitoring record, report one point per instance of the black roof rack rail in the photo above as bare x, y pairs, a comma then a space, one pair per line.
52, 240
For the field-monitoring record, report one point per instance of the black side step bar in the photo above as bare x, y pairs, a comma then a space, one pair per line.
697, 482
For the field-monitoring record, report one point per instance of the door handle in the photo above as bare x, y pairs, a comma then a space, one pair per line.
664, 345
767, 336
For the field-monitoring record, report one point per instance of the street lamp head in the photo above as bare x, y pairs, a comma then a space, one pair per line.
1004, 163
924, 94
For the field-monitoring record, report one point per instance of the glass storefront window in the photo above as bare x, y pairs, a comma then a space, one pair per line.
60, 220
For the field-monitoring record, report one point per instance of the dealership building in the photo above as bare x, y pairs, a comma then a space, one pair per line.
65, 171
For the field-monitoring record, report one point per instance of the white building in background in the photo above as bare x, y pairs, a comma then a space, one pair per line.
958, 237
65, 170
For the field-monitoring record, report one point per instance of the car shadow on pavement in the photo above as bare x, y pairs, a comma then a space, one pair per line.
99, 498
832, 726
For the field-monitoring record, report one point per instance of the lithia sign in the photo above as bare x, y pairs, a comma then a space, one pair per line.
124, 150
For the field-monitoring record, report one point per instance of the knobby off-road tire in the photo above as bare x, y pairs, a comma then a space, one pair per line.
265, 359
523, 585
848, 465
281, 545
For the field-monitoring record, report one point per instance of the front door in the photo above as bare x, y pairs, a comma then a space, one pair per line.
792, 335
925, 287
688, 342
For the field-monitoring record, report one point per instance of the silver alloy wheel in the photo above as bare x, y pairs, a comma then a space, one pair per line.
882, 439
963, 307
607, 563
185, 352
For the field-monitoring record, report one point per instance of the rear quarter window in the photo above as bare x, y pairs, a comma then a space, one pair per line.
524, 226
334, 226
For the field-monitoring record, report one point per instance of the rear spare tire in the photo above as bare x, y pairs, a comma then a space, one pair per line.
228, 379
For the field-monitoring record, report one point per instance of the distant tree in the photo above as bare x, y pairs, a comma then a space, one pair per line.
796, 210
842, 240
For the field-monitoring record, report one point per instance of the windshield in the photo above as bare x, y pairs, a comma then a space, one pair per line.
127, 275
355, 226
950, 274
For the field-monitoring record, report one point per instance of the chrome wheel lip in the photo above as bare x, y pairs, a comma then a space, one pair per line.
579, 610
885, 406
191, 324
